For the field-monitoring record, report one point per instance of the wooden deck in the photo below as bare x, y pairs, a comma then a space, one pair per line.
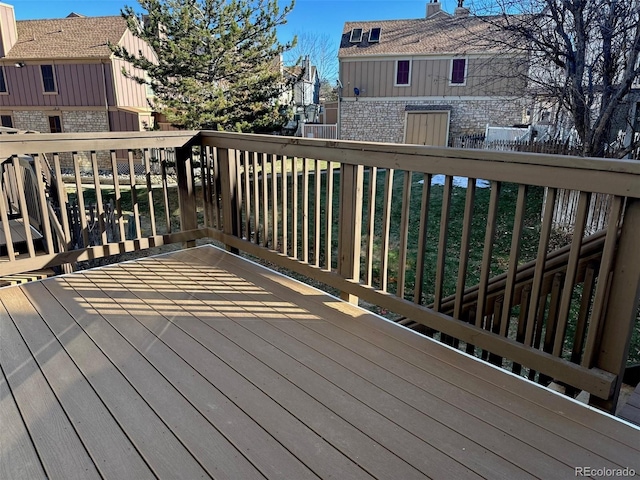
199, 364
16, 227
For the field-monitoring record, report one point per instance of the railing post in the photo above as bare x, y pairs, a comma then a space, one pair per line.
349, 236
229, 193
622, 305
186, 192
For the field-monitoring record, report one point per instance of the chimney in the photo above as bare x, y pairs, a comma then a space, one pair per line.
461, 11
8, 29
433, 7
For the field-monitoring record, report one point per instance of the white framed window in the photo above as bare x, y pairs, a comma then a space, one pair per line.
458, 74
402, 76
374, 35
356, 35
49, 84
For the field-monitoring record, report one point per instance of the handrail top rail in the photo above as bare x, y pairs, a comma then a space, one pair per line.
20, 144
607, 176
543, 159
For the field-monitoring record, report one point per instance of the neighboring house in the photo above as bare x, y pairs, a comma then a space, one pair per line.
304, 96
59, 75
423, 80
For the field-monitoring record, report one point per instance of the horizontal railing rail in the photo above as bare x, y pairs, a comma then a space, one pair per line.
460, 242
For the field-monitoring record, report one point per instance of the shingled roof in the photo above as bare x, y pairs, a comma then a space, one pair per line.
74, 37
439, 34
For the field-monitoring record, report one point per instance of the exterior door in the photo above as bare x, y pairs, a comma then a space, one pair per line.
431, 128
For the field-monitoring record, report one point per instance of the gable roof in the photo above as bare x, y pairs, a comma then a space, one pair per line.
438, 34
73, 37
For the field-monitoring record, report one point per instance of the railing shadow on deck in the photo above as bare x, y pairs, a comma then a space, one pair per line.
459, 244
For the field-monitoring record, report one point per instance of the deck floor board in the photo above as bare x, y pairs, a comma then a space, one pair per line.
201, 364
584, 426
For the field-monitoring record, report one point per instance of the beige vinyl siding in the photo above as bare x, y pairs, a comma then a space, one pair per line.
429, 77
129, 92
78, 85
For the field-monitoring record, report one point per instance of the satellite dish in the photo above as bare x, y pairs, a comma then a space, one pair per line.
356, 90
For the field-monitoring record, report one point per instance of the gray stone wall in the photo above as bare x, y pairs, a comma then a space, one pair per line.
72, 121
383, 121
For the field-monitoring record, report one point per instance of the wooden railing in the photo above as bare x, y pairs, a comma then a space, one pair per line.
72, 197
458, 244
474, 267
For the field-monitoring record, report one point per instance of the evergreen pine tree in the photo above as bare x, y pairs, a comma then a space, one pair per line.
217, 62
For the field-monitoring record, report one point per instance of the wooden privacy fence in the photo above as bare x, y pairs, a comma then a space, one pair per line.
459, 244
474, 265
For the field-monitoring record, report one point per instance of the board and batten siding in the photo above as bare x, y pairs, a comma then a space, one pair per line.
130, 93
78, 84
429, 77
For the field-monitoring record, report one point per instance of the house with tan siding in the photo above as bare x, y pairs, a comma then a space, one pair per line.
425, 80
59, 75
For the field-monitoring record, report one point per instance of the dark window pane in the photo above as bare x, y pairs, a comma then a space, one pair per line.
402, 76
47, 78
6, 121
356, 35
374, 35
3, 83
54, 124
457, 70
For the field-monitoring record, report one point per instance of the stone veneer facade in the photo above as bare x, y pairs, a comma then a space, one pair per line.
384, 120
73, 121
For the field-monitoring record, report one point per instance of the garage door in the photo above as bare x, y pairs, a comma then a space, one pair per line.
430, 128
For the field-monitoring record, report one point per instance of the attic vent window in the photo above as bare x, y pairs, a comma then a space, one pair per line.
374, 35
356, 35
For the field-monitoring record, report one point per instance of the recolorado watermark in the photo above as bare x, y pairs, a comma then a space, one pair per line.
604, 472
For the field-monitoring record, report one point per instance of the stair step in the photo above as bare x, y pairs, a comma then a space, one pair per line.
20, 278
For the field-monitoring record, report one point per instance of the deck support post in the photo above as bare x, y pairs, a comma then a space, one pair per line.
350, 215
622, 305
229, 193
186, 192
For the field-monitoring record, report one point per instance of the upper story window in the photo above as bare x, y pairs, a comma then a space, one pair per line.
374, 35
3, 82
356, 35
458, 71
48, 79
403, 72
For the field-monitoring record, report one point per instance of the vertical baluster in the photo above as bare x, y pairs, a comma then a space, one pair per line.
256, 197
442, 241
247, 196
572, 267
205, 166
464, 247
522, 322
42, 198
329, 216
134, 194
62, 198
514, 255
422, 237
317, 233
538, 274
265, 201
495, 328
165, 190
274, 202
6, 228
583, 313
404, 232
80, 196
294, 213
386, 226
552, 319
305, 210
371, 221
236, 157
285, 194
152, 213
99, 201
